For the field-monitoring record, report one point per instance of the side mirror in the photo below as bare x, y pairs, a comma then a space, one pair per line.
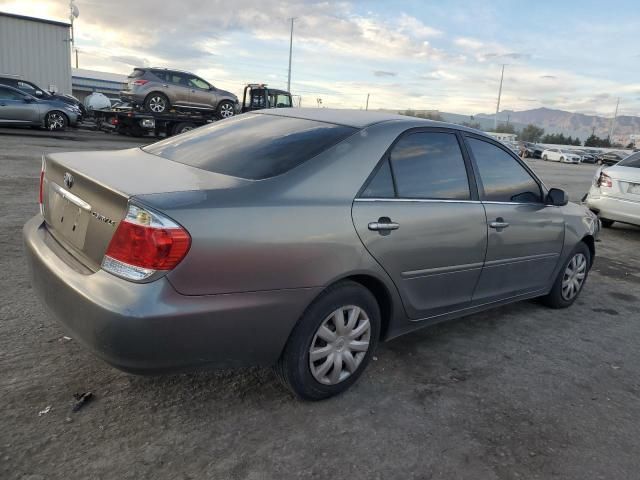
557, 197
28, 99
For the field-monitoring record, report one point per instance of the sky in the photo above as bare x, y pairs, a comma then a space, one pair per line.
578, 56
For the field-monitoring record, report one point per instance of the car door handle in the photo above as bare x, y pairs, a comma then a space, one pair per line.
499, 224
383, 226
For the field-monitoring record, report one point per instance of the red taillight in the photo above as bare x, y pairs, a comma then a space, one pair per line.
144, 243
140, 82
604, 181
148, 247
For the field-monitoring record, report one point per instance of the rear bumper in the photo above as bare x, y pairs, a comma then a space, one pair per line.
611, 208
150, 328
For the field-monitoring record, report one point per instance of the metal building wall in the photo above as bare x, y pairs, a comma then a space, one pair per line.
37, 51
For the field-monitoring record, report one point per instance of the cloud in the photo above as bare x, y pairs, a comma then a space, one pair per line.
468, 43
510, 55
414, 27
130, 60
383, 73
548, 77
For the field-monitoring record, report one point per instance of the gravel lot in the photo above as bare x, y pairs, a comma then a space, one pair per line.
518, 392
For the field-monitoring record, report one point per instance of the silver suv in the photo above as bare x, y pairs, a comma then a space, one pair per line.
160, 89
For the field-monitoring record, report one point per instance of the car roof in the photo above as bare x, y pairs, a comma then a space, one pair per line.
360, 118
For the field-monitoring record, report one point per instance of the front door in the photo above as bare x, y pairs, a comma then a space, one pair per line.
420, 219
201, 95
525, 236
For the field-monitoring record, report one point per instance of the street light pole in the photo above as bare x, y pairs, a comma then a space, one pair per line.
495, 119
290, 53
367, 107
613, 121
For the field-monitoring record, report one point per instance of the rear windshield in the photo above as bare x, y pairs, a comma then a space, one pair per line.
136, 73
251, 146
632, 161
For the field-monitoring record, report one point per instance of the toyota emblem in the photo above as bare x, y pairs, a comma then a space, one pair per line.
68, 180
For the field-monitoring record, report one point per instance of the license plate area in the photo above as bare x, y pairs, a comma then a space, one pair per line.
68, 218
634, 188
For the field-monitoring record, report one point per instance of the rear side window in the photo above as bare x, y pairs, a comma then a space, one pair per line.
252, 146
137, 73
381, 185
430, 165
632, 161
503, 179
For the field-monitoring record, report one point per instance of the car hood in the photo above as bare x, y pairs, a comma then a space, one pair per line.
226, 93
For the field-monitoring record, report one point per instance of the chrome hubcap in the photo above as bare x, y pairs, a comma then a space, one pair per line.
226, 110
56, 121
339, 345
157, 104
574, 276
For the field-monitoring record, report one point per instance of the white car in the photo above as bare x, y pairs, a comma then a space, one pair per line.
558, 155
615, 193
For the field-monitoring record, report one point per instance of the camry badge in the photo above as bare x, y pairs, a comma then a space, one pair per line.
102, 218
68, 179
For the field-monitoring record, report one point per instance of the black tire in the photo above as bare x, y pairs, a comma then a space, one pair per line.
606, 223
544, 157
56, 121
182, 127
293, 368
226, 109
561, 159
599, 162
157, 102
554, 298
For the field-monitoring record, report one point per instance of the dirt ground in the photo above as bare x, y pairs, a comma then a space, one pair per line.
518, 392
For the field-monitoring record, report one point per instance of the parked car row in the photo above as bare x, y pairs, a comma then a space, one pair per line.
20, 108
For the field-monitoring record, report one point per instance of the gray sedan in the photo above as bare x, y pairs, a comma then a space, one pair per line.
19, 108
297, 238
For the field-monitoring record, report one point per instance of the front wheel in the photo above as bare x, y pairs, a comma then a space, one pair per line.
332, 343
56, 121
561, 159
226, 109
544, 157
570, 279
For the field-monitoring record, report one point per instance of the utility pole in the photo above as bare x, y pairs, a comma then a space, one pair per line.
495, 119
367, 107
613, 121
76, 57
290, 53
73, 14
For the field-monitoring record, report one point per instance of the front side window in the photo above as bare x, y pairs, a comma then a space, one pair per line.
283, 101
252, 146
27, 87
503, 179
430, 165
198, 83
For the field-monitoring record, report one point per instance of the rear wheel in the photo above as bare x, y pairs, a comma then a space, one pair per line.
561, 159
332, 343
226, 109
157, 103
606, 223
570, 279
56, 121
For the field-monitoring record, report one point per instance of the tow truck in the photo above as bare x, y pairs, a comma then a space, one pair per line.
137, 122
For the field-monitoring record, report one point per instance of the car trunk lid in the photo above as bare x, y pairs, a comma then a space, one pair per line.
85, 194
625, 182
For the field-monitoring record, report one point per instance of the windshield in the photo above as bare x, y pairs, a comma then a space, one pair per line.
252, 146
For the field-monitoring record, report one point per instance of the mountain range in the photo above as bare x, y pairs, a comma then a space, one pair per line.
574, 124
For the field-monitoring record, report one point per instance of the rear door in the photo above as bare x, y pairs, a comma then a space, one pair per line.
525, 236
420, 218
178, 91
14, 107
